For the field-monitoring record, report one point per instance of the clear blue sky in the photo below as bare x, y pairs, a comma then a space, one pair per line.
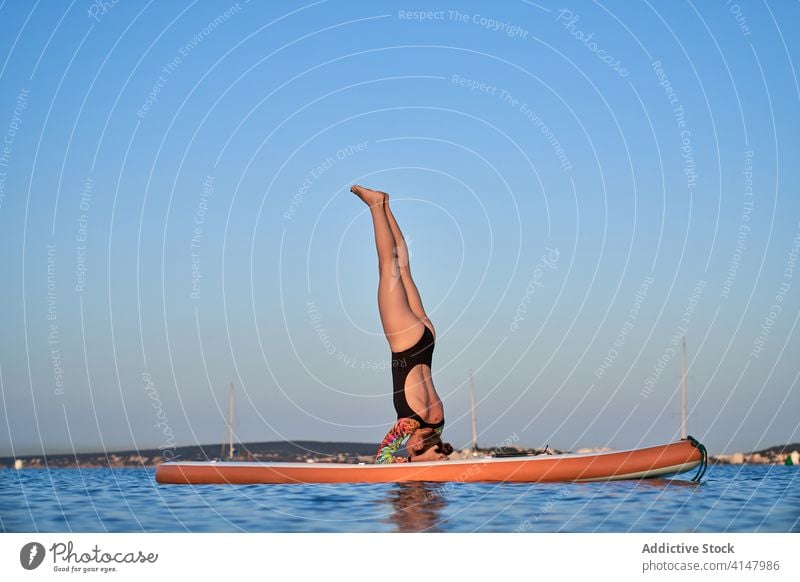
580, 186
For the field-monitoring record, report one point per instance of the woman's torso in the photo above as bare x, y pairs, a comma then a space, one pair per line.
414, 393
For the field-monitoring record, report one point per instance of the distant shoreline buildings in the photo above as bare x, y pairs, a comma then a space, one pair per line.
760, 458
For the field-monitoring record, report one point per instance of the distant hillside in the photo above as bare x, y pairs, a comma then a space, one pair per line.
777, 450
264, 451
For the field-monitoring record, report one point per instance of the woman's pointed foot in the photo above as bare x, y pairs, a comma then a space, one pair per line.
370, 197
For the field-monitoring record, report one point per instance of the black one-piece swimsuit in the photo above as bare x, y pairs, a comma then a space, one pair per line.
402, 364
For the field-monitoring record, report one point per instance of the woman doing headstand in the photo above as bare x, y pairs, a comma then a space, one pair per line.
411, 337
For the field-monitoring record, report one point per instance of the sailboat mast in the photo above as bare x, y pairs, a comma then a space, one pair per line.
474, 417
683, 388
230, 421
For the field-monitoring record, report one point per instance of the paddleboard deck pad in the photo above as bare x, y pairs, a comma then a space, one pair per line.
658, 461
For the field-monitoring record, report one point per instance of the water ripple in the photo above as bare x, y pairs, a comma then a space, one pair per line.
730, 499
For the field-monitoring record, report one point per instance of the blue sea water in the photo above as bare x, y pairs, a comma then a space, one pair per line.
750, 498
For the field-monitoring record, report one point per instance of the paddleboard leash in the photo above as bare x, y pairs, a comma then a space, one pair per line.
701, 470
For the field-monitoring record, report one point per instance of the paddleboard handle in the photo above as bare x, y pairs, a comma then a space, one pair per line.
701, 470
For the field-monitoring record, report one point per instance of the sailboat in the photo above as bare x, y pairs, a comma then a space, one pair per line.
228, 439
683, 388
474, 417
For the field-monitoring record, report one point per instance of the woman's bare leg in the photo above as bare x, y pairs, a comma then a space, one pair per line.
404, 264
400, 325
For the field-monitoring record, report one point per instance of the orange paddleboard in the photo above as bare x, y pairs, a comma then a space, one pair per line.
672, 458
